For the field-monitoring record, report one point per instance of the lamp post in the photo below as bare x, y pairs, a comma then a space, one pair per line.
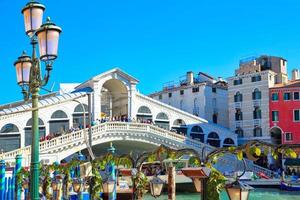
238, 190
29, 74
112, 180
156, 186
199, 177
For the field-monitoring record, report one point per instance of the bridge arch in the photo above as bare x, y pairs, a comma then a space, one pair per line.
114, 99
213, 139
228, 142
144, 114
276, 135
78, 115
197, 133
162, 120
28, 130
179, 126
11, 137
59, 122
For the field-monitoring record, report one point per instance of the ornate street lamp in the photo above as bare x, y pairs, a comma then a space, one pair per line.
238, 190
199, 176
29, 74
156, 186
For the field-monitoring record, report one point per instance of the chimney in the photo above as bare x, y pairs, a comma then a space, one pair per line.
295, 74
190, 78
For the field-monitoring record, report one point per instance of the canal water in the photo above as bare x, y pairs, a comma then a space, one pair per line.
257, 194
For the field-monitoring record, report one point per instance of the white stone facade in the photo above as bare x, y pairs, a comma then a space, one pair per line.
205, 99
247, 105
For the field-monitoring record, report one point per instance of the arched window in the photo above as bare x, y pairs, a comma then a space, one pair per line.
257, 132
180, 127
257, 113
239, 132
59, 122
78, 115
256, 94
197, 133
28, 131
238, 115
144, 114
215, 118
228, 142
10, 138
238, 97
213, 139
162, 121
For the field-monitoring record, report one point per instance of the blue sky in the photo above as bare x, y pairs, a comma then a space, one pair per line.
154, 40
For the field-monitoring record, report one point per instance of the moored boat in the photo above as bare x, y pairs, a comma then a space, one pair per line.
289, 186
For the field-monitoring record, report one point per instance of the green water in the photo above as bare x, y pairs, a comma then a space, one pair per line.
257, 194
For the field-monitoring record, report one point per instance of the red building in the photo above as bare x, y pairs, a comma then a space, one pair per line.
285, 113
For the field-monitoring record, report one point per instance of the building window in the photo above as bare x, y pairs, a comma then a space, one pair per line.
287, 96
296, 115
296, 95
181, 92
275, 116
214, 90
239, 132
275, 96
257, 113
238, 82
215, 118
256, 78
195, 89
257, 132
256, 94
238, 115
160, 97
170, 94
238, 97
288, 136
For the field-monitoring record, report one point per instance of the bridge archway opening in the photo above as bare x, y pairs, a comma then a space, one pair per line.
197, 133
59, 122
213, 139
276, 135
114, 99
9, 138
28, 131
180, 127
162, 121
228, 142
144, 114
78, 115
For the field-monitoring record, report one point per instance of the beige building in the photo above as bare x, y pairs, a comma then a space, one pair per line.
248, 96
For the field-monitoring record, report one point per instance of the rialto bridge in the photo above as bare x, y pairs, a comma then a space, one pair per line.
111, 95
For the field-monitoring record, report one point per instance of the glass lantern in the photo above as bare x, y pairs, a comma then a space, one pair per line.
48, 36
156, 186
33, 16
23, 66
238, 191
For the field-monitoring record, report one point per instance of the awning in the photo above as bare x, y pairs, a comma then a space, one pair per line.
292, 162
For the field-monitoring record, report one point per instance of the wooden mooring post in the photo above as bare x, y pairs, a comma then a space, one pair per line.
171, 183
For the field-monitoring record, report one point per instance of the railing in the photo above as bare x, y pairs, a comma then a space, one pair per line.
257, 103
257, 122
237, 105
74, 138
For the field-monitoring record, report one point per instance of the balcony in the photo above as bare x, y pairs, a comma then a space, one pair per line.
237, 105
239, 124
257, 122
257, 103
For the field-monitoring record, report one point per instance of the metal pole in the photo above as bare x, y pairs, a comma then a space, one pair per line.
204, 189
35, 150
